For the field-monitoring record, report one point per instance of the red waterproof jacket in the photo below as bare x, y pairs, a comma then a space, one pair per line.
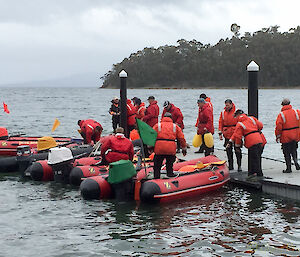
140, 111
117, 148
250, 128
207, 100
205, 120
227, 122
130, 113
177, 116
88, 129
287, 124
151, 114
167, 133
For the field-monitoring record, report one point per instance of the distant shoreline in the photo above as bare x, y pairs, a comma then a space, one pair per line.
195, 88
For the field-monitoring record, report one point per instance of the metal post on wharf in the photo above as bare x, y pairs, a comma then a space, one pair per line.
123, 98
252, 69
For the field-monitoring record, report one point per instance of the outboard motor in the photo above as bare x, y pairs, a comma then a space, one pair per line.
60, 159
120, 177
24, 159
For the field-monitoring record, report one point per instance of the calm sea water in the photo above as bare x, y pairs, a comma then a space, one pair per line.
46, 219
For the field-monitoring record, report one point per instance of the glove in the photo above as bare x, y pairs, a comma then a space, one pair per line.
229, 144
184, 152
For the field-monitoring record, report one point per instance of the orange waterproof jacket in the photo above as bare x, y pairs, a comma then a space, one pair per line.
227, 122
140, 111
117, 148
167, 133
130, 113
207, 100
177, 116
205, 120
88, 129
250, 128
151, 114
287, 124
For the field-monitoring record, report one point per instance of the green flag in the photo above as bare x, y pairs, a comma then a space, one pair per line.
147, 134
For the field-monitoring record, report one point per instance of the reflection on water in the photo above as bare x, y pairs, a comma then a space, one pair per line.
47, 219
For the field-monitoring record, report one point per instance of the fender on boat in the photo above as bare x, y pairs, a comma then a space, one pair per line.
148, 190
79, 172
95, 188
41, 171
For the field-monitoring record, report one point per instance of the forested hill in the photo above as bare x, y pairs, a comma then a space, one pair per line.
191, 64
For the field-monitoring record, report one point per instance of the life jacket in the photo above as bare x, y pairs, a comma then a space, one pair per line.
249, 128
134, 135
130, 113
177, 116
287, 124
140, 111
167, 132
117, 148
227, 122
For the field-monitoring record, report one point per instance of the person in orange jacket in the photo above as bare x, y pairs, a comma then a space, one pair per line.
117, 147
139, 108
250, 128
152, 112
130, 116
177, 117
287, 132
205, 123
90, 130
207, 100
165, 145
227, 123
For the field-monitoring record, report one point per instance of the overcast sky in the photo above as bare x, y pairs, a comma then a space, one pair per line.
45, 39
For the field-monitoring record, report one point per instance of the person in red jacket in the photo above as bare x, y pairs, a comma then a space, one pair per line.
250, 128
139, 108
205, 123
165, 145
207, 100
117, 147
90, 130
152, 112
177, 117
287, 132
130, 116
227, 123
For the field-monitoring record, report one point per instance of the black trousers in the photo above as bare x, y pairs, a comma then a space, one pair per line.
290, 150
158, 160
115, 121
254, 164
207, 150
229, 152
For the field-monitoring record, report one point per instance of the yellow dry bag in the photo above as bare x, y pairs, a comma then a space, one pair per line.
197, 140
208, 140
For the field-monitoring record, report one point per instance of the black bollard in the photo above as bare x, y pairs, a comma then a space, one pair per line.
252, 69
123, 97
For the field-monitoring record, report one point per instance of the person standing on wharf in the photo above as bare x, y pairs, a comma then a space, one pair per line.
287, 132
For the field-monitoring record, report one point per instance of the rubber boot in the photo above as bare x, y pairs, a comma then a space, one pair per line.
239, 160
288, 163
295, 158
230, 158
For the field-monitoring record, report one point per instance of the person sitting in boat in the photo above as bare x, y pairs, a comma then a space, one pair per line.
90, 130
139, 107
165, 145
117, 147
114, 111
